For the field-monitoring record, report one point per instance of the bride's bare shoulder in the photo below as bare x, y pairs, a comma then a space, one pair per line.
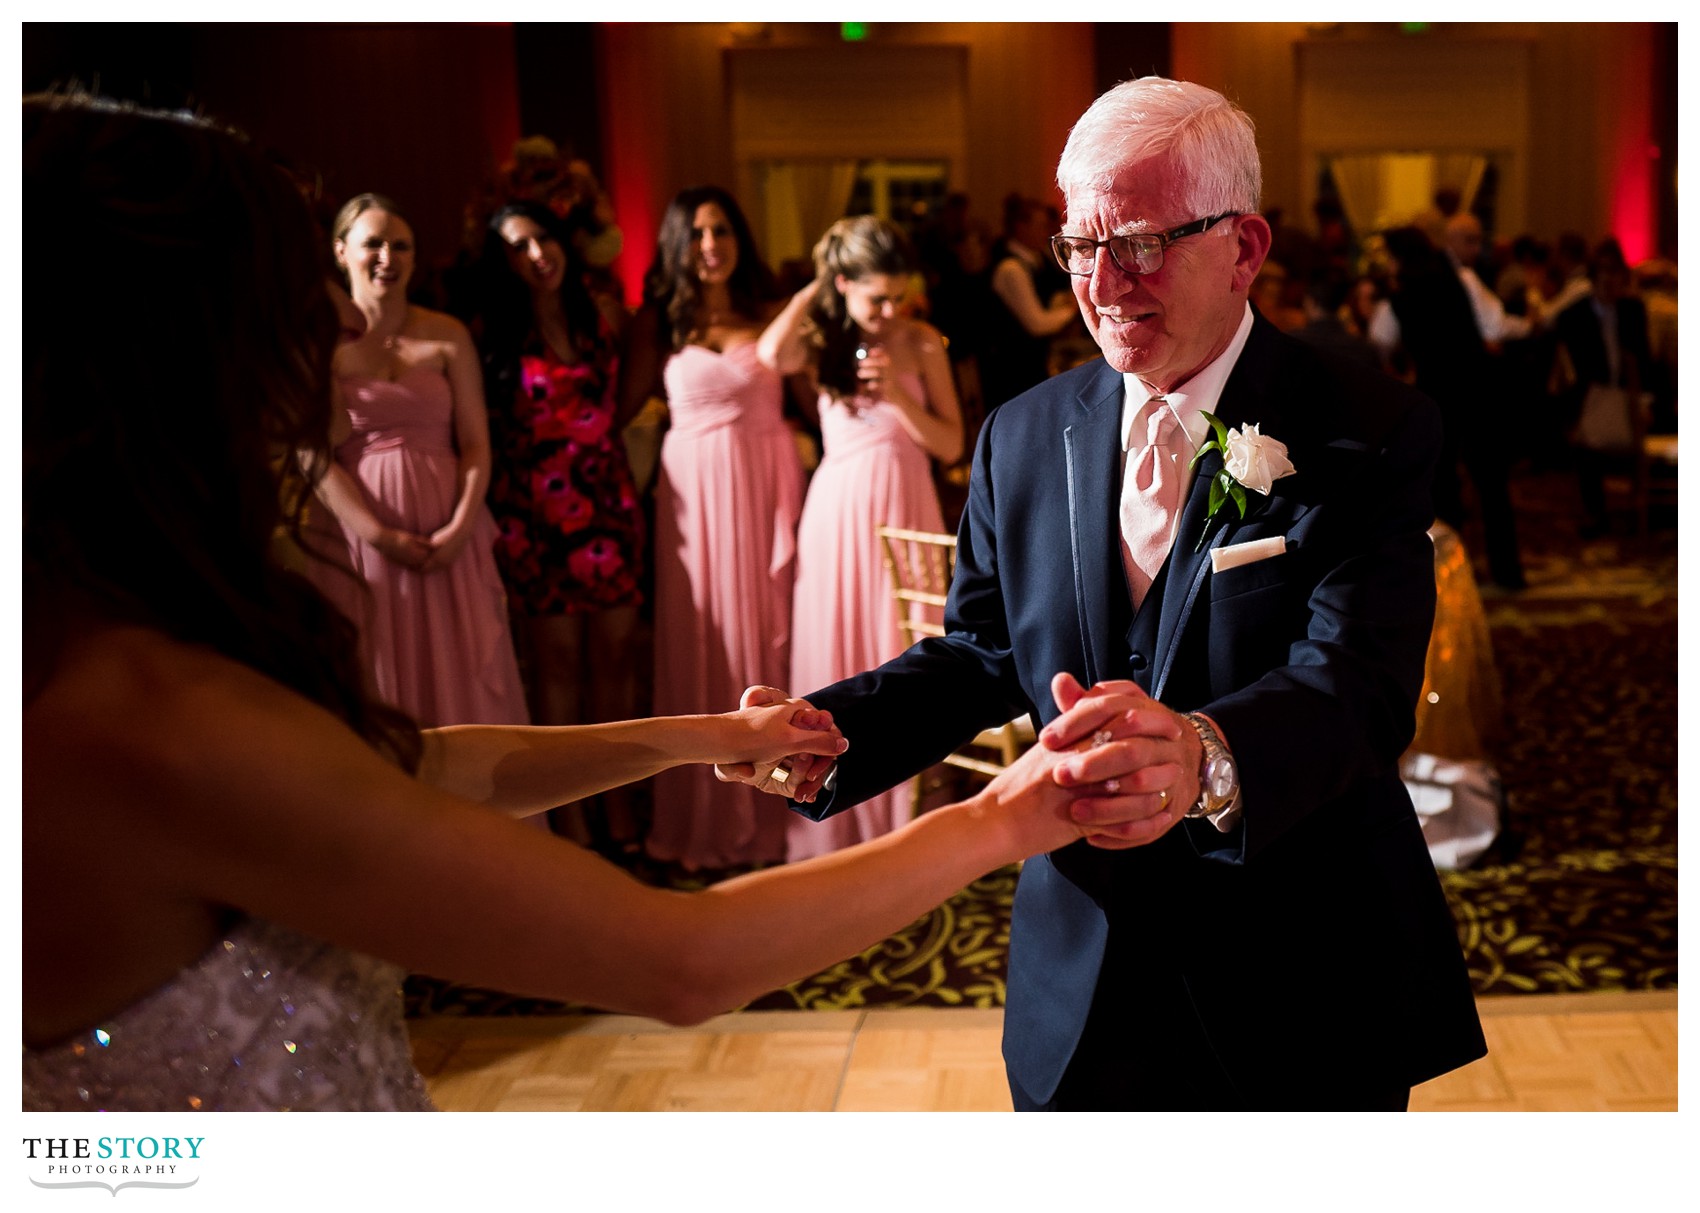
120, 701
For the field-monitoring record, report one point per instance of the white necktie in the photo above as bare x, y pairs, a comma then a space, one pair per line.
1151, 495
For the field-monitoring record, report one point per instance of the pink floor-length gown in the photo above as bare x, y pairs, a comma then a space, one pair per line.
727, 500
873, 474
437, 642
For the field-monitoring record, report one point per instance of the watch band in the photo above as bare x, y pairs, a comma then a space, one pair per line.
1217, 761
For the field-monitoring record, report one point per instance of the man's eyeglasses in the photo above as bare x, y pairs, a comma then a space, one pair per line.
1137, 254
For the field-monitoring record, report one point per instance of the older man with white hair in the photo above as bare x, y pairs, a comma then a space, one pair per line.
1203, 561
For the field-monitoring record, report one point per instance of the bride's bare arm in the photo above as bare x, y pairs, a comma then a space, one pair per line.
524, 770
294, 819
239, 793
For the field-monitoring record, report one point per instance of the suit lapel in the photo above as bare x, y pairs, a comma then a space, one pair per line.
1093, 447
1245, 399
1187, 562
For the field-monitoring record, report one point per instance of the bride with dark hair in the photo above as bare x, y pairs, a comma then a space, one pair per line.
231, 852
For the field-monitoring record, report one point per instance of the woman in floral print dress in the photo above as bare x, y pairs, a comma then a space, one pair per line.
571, 529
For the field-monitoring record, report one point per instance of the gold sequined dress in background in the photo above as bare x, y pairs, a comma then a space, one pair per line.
1448, 768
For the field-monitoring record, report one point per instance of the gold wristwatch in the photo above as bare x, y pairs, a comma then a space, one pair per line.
1218, 777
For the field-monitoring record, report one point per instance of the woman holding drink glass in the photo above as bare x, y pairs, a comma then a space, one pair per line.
887, 408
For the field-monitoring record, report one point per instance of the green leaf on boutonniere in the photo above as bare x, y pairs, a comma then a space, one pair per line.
1217, 493
1218, 441
1223, 487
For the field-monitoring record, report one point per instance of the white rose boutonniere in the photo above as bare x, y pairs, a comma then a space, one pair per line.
1250, 460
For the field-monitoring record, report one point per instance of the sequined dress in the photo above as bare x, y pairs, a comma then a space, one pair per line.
1448, 769
266, 1020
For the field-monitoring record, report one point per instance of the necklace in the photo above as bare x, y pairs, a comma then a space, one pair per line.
390, 341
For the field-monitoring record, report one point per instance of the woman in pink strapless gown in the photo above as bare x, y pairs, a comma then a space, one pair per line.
888, 407
408, 488
727, 498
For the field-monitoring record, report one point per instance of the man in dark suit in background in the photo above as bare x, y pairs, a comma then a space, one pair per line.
1604, 337
1028, 308
1256, 923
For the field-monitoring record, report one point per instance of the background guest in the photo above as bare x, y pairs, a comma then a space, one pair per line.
954, 251
1567, 272
1604, 342
1494, 321
887, 408
1432, 322
1015, 355
572, 533
414, 470
728, 497
1326, 303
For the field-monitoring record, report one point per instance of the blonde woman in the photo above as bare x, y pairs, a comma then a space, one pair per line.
888, 408
409, 488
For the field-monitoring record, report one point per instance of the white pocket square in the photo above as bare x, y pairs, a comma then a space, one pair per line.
1236, 554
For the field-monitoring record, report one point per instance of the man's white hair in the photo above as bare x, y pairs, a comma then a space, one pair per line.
1209, 141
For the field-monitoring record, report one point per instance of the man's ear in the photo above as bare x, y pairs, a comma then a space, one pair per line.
1254, 237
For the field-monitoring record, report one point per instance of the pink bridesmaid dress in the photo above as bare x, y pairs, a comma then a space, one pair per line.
873, 474
437, 643
727, 500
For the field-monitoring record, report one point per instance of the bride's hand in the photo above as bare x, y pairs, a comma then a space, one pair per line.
761, 735
1027, 794
797, 773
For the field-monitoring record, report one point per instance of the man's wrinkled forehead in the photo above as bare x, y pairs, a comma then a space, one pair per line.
1136, 198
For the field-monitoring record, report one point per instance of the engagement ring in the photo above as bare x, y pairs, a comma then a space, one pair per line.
1112, 786
1101, 736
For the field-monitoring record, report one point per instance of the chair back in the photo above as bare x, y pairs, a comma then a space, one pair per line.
921, 564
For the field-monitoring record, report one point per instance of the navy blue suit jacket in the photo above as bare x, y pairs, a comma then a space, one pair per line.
1315, 934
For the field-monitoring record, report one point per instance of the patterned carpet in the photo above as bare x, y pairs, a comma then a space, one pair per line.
1577, 893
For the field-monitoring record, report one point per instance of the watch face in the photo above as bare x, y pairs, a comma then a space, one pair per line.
1222, 779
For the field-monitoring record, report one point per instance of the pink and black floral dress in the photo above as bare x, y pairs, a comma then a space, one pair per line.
561, 489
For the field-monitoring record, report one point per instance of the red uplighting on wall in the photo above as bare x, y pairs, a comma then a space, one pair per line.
629, 190
1632, 156
633, 142
1632, 199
